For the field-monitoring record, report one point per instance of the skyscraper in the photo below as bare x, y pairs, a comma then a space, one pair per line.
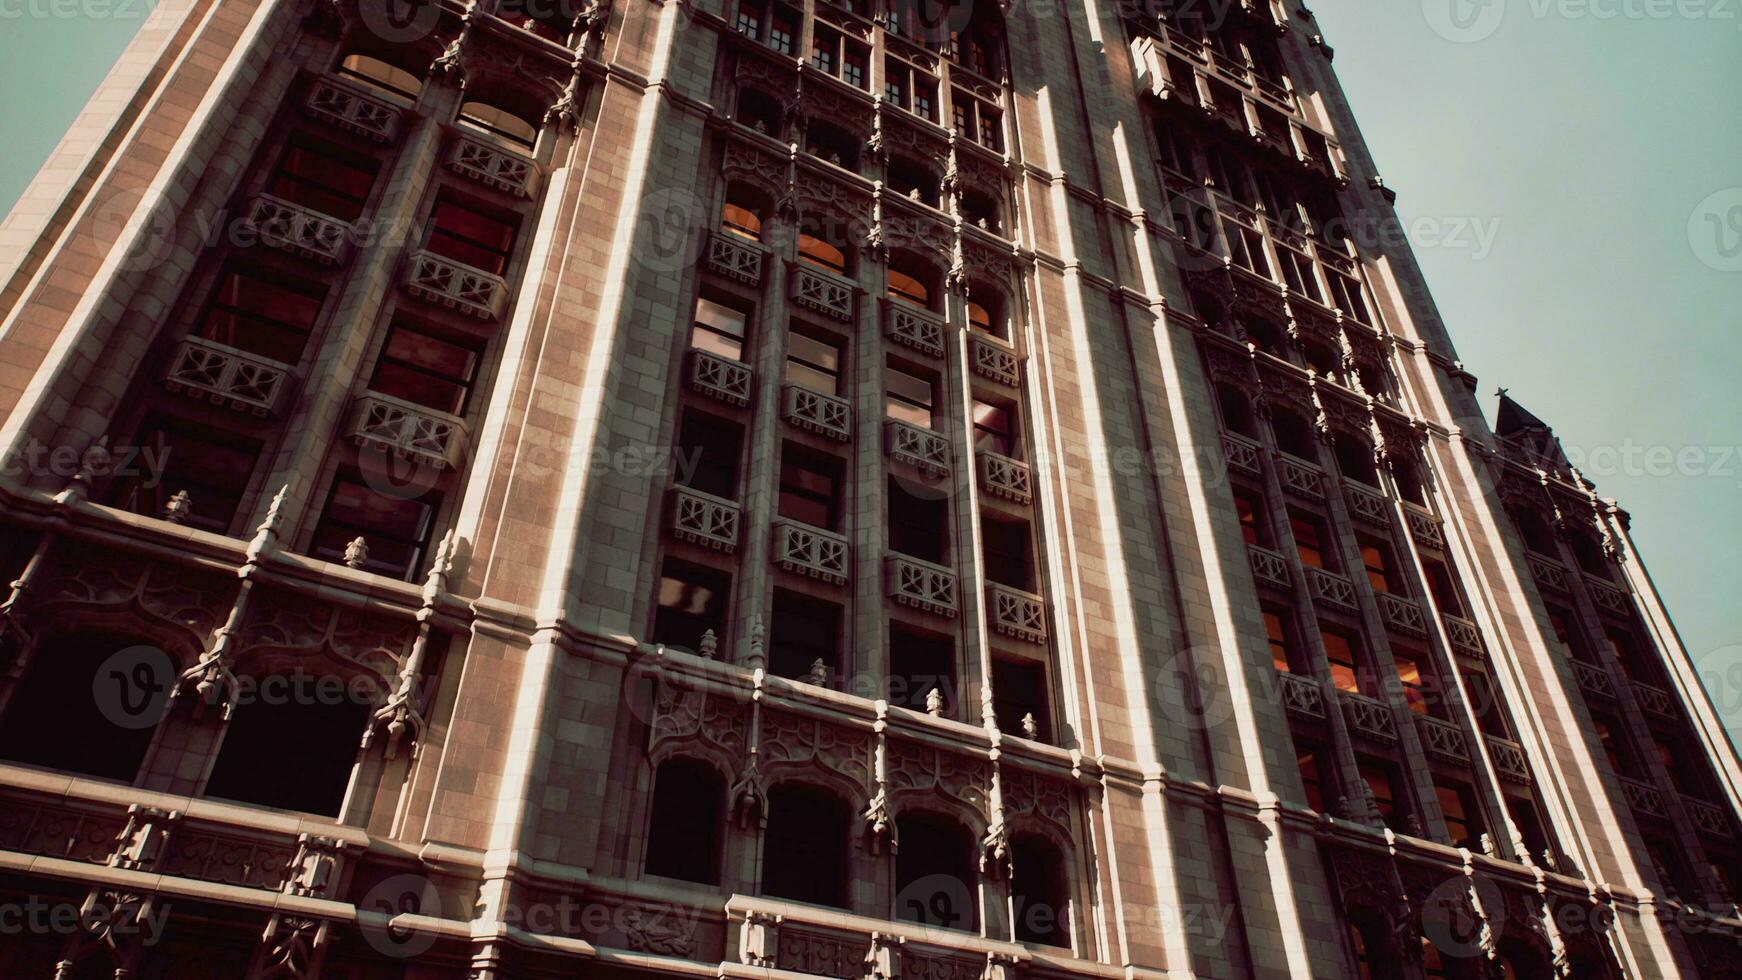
745, 488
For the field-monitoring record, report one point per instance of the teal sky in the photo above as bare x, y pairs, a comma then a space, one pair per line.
1585, 144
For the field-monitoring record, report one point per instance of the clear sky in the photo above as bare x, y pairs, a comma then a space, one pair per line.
1586, 137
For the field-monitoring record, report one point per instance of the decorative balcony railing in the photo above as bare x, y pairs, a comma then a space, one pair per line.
735, 258
921, 448
921, 585
1369, 716
455, 285
1707, 818
227, 377
995, 362
1004, 477
1016, 613
1301, 696
1269, 568
338, 104
492, 166
1508, 758
1465, 638
1402, 615
822, 292
704, 519
1654, 700
775, 938
1330, 589
1424, 527
1549, 574
1442, 740
295, 229
810, 551
1607, 597
408, 431
1645, 799
1367, 505
1300, 478
914, 328
720, 378
1242, 454
1593, 679
816, 412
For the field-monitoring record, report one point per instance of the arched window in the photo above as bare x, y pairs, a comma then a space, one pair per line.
1039, 892
742, 213
500, 124
936, 883
760, 111
396, 83
815, 252
983, 211
1408, 477
987, 311
979, 46
88, 704
291, 746
1374, 957
804, 848
1236, 411
913, 181
1265, 336
684, 832
1294, 435
834, 144
1327, 362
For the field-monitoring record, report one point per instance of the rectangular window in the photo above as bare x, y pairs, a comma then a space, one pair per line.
719, 329
909, 397
691, 601
813, 363
707, 453
1309, 540
1345, 666
810, 487
994, 429
918, 525
395, 528
824, 45
1409, 674
1276, 632
783, 30
920, 663
426, 370
212, 466
1019, 690
1463, 819
1250, 506
325, 179
749, 21
1561, 621
1444, 589
1312, 778
853, 67
265, 317
1378, 778
1008, 553
1485, 704
805, 630
467, 235
1375, 557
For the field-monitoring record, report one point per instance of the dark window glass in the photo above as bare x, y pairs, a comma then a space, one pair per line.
813, 363
1250, 506
1345, 667
1309, 540
426, 370
1039, 892
805, 631
708, 448
1019, 688
688, 820
256, 765
936, 883
805, 845
910, 398
324, 179
1276, 633
1312, 779
1444, 589
253, 314
395, 527
87, 705
211, 465
918, 523
994, 428
810, 487
920, 663
692, 601
465, 235
1376, 558
1008, 554
1485, 704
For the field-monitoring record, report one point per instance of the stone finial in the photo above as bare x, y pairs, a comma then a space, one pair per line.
1030, 727
819, 673
934, 702
710, 644
357, 552
266, 535
142, 841
756, 657
178, 508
